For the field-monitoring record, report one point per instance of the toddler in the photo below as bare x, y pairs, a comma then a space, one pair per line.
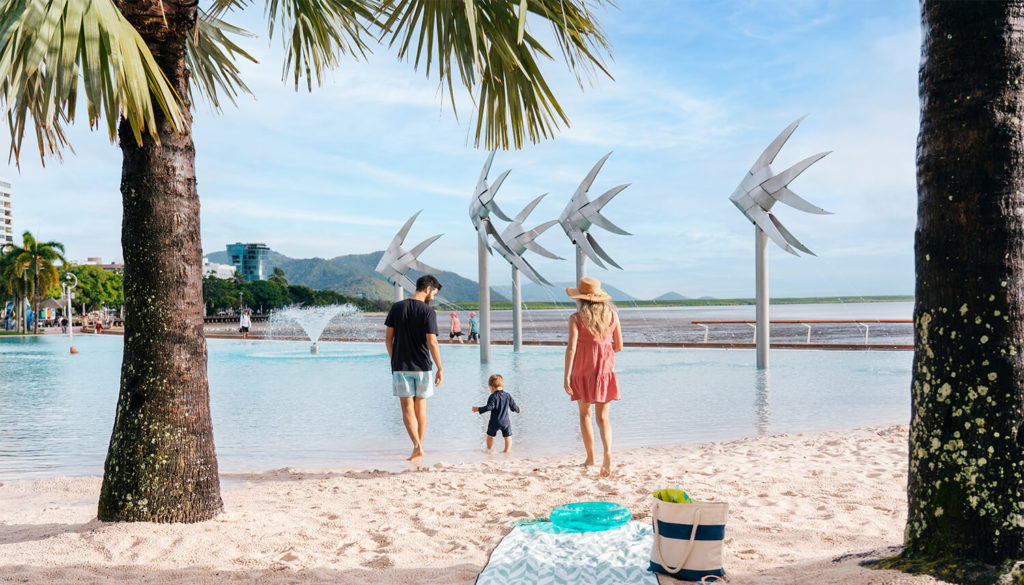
498, 404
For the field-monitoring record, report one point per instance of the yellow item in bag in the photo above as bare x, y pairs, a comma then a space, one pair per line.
675, 496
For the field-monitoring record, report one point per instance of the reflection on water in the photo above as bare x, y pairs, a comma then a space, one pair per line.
274, 404
762, 387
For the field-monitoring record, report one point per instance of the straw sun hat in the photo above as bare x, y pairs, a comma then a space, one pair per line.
588, 289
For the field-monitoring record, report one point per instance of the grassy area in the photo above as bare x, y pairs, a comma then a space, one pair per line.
13, 333
497, 305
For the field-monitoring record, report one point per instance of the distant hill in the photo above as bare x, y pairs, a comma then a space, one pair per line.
353, 275
533, 292
671, 296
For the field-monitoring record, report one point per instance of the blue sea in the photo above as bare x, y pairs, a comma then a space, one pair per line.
274, 404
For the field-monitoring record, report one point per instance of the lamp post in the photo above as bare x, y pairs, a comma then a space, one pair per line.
68, 288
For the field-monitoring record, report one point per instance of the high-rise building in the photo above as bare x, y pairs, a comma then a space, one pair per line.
6, 219
250, 259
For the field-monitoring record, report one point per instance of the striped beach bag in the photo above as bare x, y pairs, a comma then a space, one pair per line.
688, 539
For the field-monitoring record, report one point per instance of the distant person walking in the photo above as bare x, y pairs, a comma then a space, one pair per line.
455, 328
498, 404
411, 339
474, 327
64, 324
244, 323
99, 325
595, 335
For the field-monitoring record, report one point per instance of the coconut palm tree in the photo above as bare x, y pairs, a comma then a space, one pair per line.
279, 276
36, 259
140, 64
12, 282
966, 474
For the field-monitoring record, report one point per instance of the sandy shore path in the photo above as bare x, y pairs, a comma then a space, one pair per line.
804, 509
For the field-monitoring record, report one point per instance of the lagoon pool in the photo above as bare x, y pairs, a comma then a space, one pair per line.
276, 405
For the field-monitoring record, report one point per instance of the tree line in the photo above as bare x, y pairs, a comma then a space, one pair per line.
264, 296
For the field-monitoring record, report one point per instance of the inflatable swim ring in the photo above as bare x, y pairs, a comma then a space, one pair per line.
590, 516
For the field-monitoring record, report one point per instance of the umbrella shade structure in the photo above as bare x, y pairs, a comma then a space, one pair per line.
53, 304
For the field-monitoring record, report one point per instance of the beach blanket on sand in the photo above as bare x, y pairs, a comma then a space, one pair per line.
542, 554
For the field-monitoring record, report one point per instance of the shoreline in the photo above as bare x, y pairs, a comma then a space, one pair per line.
804, 508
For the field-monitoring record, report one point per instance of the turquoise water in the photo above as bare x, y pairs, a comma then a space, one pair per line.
275, 405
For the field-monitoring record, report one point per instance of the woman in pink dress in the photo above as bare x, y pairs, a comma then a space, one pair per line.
594, 337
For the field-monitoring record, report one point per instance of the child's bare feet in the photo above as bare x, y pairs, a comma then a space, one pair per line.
606, 466
417, 452
589, 462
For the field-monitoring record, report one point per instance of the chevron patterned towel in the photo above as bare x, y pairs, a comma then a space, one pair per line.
542, 554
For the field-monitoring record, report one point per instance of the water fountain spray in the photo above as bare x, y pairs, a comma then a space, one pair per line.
312, 320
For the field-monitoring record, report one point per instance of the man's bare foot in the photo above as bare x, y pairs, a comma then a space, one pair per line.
606, 467
417, 452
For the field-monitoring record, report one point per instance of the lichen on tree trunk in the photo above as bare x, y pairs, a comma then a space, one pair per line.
161, 465
966, 488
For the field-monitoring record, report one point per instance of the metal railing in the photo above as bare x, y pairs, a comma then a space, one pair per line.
808, 323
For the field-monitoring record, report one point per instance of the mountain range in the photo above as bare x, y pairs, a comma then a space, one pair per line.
354, 275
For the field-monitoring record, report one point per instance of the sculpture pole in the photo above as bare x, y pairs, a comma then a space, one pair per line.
760, 189
399, 293
761, 277
485, 303
517, 311
581, 263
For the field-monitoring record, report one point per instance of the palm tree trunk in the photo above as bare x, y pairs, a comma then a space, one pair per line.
966, 482
161, 465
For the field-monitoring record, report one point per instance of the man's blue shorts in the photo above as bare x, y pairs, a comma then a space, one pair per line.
413, 384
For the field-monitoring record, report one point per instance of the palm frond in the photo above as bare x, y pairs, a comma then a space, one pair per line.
485, 45
220, 7
47, 46
210, 56
316, 32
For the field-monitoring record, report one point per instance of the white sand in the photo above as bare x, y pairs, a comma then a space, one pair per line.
805, 509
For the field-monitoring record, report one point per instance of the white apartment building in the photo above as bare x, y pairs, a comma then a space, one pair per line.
6, 219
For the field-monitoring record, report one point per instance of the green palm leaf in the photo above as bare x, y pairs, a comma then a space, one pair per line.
47, 46
210, 56
317, 32
454, 38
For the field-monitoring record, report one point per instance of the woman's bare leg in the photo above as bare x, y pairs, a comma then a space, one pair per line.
604, 423
587, 430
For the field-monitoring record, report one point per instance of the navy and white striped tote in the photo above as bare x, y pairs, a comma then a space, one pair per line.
688, 539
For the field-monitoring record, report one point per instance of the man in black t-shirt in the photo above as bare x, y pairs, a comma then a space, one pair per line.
411, 339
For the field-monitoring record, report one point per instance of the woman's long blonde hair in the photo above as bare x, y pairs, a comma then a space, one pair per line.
596, 317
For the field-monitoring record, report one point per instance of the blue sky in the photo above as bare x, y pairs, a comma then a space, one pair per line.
700, 88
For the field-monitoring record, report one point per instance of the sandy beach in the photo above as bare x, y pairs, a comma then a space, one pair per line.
805, 508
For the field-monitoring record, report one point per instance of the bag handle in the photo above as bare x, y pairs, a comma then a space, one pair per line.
658, 538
